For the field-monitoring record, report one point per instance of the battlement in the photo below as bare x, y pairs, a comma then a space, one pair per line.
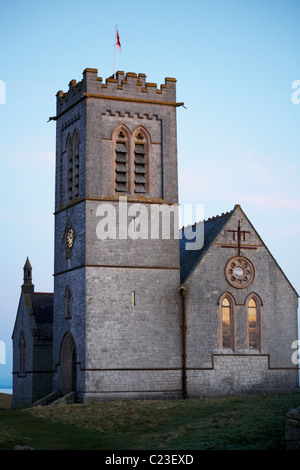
126, 87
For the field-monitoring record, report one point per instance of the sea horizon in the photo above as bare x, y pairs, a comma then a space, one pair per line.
6, 390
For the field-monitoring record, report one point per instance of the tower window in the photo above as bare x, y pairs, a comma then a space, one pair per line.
133, 298
70, 167
140, 164
131, 160
121, 163
76, 164
73, 165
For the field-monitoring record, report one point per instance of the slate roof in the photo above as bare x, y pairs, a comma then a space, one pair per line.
42, 309
42, 304
210, 228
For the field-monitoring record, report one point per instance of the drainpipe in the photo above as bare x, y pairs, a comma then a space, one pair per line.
184, 378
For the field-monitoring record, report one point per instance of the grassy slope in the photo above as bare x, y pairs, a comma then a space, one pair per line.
5, 400
253, 422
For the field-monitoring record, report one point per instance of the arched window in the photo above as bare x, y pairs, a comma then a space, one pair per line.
121, 181
72, 149
227, 323
68, 302
22, 346
253, 311
76, 164
140, 163
131, 154
70, 166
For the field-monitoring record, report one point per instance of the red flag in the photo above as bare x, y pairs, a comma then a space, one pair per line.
118, 44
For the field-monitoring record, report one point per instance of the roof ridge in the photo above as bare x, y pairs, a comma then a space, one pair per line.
209, 219
219, 216
43, 293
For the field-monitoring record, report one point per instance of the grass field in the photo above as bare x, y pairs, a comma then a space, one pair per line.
233, 423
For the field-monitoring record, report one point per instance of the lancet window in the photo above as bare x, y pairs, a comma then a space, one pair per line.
121, 162
227, 323
22, 346
254, 312
73, 165
140, 163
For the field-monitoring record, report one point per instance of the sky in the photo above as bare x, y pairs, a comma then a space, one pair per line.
235, 62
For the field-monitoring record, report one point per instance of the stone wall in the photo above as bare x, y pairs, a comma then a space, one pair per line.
239, 374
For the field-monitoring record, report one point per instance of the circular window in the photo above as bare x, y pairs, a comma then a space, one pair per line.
239, 272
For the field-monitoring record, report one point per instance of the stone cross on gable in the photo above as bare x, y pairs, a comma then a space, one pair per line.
240, 234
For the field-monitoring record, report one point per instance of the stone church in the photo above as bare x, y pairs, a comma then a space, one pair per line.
138, 311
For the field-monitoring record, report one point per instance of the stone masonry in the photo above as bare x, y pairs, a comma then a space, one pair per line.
136, 313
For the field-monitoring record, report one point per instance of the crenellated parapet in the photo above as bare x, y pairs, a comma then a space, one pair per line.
126, 87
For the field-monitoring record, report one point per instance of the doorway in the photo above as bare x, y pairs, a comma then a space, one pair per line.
68, 364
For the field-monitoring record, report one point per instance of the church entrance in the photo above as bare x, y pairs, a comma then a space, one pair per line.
68, 364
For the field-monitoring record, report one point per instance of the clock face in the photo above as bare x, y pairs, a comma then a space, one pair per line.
239, 272
70, 238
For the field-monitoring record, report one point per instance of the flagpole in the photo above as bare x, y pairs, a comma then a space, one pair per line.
115, 51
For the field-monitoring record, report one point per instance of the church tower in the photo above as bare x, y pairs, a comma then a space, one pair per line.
117, 316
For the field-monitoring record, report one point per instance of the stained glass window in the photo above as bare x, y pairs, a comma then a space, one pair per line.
252, 324
227, 324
